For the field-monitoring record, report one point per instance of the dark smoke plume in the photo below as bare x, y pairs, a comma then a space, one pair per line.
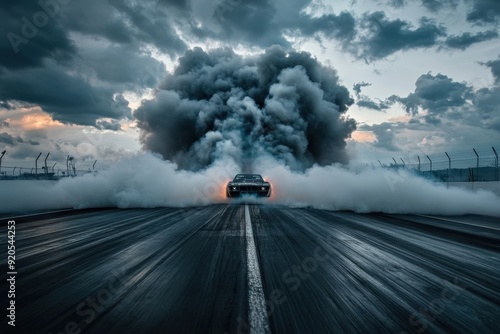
219, 104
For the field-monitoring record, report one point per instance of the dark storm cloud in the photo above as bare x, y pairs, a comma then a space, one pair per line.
153, 24
397, 3
385, 134
182, 4
21, 152
11, 140
366, 102
250, 22
431, 5
357, 87
31, 33
487, 100
129, 22
484, 11
436, 94
377, 105
5, 138
436, 5
218, 104
486, 103
78, 62
494, 66
465, 40
5, 105
123, 65
49, 71
108, 125
265, 22
67, 98
385, 37
481, 11
442, 98
341, 27
97, 19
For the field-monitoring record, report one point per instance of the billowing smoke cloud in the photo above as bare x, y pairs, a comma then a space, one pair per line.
219, 105
147, 181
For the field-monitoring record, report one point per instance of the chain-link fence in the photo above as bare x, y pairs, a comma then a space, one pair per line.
24, 173
472, 165
41, 169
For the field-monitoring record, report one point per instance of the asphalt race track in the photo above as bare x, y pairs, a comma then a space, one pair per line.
200, 270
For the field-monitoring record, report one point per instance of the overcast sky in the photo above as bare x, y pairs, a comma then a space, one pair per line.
424, 75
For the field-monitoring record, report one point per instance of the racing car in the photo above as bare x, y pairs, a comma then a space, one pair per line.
252, 184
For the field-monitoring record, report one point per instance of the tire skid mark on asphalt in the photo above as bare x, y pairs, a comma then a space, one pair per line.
460, 222
355, 248
75, 226
52, 264
134, 276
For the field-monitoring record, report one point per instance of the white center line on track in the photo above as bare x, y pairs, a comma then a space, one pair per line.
257, 304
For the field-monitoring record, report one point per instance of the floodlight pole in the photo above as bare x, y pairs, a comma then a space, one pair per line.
430, 162
53, 167
418, 157
93, 166
404, 163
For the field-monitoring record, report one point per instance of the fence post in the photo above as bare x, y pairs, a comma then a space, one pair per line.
395, 163
477, 164
430, 162
496, 163
14, 170
404, 164
449, 165
46, 170
1, 157
471, 174
418, 157
36, 163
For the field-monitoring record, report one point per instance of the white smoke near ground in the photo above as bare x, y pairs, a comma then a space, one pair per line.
144, 181
147, 181
375, 190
